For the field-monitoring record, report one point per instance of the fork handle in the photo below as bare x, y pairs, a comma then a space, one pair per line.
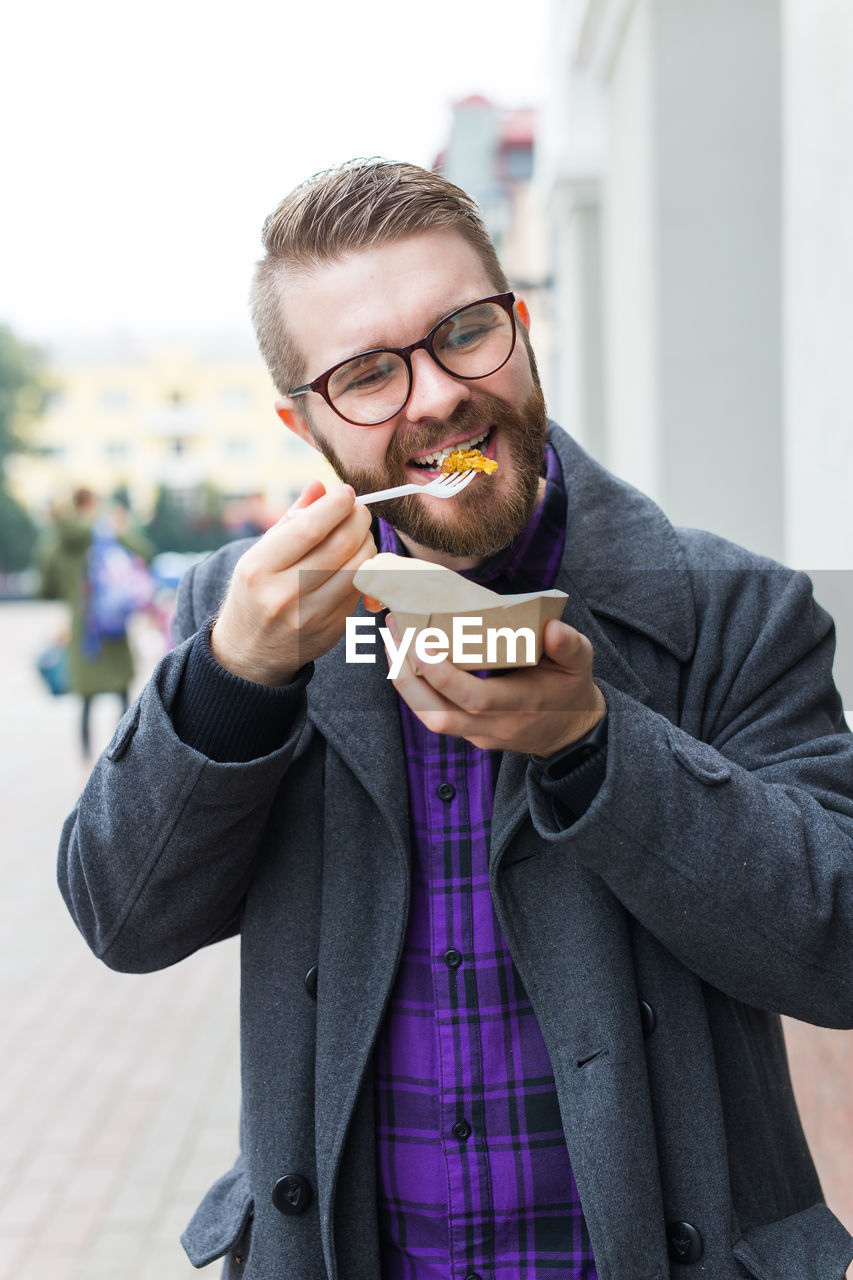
381, 494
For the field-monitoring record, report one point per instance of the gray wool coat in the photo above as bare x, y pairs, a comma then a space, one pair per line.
708, 889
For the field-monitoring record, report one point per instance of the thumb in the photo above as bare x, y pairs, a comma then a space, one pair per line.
565, 646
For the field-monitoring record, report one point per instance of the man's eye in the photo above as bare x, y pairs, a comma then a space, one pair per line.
362, 376
467, 337
368, 380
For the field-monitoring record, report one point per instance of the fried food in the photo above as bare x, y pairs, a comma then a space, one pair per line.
468, 460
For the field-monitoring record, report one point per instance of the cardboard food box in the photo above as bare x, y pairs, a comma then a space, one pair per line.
477, 629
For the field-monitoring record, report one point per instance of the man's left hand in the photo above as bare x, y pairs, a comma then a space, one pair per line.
532, 710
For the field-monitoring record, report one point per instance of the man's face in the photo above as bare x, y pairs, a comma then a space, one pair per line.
390, 296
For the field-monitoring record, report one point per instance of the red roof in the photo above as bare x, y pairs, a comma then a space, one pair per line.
518, 128
474, 100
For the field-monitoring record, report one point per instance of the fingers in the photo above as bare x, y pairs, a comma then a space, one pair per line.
325, 593
310, 526
291, 591
532, 709
436, 712
313, 490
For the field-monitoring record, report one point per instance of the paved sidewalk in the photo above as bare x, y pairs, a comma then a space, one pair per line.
119, 1093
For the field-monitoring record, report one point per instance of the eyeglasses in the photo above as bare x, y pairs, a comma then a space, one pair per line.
472, 342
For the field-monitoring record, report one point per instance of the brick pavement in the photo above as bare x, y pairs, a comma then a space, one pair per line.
119, 1093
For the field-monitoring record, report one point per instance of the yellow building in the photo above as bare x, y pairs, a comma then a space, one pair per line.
145, 417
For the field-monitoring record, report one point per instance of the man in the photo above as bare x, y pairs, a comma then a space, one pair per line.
513, 949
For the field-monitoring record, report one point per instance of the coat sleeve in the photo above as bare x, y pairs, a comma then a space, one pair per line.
733, 843
156, 857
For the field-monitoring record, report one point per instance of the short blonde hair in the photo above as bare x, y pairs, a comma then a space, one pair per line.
341, 210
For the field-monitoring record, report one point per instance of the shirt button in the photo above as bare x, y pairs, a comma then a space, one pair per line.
472, 1275
462, 1130
445, 791
453, 958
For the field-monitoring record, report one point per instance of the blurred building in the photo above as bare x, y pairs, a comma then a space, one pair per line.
138, 418
697, 163
490, 153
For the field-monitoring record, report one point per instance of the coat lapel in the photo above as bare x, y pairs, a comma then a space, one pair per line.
622, 562
365, 900
356, 709
510, 807
570, 941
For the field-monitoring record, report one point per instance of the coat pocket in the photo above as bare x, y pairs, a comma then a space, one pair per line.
221, 1218
811, 1245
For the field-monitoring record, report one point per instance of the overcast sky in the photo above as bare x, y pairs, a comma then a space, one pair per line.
143, 148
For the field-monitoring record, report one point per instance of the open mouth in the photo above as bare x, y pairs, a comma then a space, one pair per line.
433, 461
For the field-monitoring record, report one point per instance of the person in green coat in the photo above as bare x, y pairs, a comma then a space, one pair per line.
105, 666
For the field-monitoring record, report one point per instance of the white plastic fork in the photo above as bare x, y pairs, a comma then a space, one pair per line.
442, 487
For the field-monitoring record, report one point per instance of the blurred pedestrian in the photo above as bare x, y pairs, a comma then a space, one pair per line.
98, 663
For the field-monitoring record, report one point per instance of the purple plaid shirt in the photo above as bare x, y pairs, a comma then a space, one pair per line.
474, 1180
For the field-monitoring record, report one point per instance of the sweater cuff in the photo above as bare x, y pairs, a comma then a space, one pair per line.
572, 793
226, 718
571, 796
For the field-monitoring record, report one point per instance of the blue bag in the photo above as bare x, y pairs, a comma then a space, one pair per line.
52, 666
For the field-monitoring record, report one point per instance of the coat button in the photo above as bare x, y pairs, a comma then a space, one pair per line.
648, 1018
311, 982
685, 1242
445, 791
292, 1194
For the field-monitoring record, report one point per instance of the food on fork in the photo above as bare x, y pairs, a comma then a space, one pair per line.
468, 460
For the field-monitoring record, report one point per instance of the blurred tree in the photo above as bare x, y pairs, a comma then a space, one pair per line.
24, 389
18, 535
187, 521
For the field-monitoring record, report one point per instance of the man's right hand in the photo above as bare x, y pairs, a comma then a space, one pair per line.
291, 592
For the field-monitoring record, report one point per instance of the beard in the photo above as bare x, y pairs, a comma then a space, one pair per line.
484, 518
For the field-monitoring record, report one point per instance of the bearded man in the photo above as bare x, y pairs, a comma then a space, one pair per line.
514, 950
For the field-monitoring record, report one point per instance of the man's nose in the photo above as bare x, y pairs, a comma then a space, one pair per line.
435, 394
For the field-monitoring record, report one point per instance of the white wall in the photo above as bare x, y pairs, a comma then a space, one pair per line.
818, 314
717, 130
725, 181
630, 261
818, 257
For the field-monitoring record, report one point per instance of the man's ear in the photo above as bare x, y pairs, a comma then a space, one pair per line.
522, 312
293, 420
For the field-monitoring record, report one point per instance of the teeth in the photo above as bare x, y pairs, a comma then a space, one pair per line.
431, 460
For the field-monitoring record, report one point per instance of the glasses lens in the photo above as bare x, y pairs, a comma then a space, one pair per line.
370, 388
475, 342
